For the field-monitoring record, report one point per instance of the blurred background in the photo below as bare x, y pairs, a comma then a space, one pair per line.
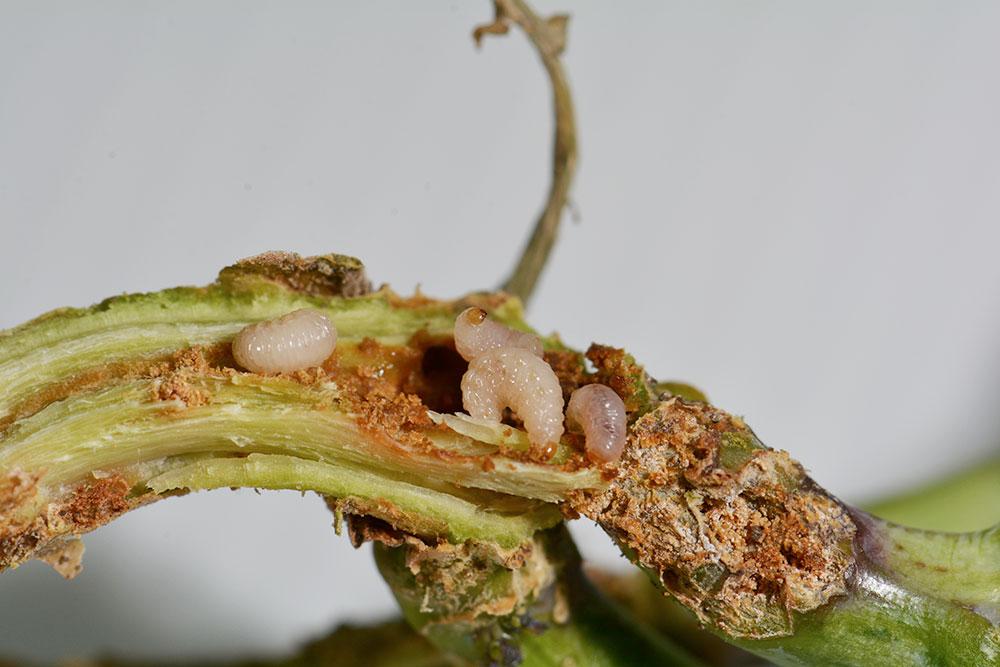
792, 205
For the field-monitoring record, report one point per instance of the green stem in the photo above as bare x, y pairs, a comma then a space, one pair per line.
915, 598
108, 408
136, 399
551, 616
968, 500
771, 562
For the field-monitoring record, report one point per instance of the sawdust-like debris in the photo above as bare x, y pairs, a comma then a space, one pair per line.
742, 548
95, 503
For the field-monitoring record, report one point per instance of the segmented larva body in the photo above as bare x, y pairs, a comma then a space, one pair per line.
506, 370
600, 412
512, 377
476, 334
296, 341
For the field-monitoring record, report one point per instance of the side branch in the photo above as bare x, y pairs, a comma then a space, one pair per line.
549, 38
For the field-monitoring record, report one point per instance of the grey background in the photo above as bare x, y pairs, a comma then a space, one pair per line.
793, 205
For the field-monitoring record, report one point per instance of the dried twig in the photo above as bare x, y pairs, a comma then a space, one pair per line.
549, 38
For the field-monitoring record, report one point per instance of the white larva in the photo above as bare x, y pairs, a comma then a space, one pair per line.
600, 413
296, 341
475, 334
512, 377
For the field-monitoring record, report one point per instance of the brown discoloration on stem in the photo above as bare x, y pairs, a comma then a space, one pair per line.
178, 387
400, 417
96, 503
177, 380
171, 368
84, 381
387, 389
26, 532
17, 489
196, 359
323, 275
743, 546
427, 366
617, 369
382, 386
19, 542
21, 531
390, 389
613, 367
569, 368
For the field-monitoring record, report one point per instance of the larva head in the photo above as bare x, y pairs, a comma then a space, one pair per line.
474, 316
476, 334
471, 339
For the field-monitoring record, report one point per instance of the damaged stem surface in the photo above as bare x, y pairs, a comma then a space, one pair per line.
761, 555
138, 398
108, 408
534, 607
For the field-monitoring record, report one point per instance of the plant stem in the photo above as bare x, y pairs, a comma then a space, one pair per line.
558, 618
772, 563
900, 614
965, 501
549, 39
136, 399
968, 500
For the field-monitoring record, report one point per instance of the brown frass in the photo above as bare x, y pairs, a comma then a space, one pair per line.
736, 531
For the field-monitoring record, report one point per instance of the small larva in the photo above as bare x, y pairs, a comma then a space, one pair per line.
301, 339
512, 377
600, 412
475, 334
